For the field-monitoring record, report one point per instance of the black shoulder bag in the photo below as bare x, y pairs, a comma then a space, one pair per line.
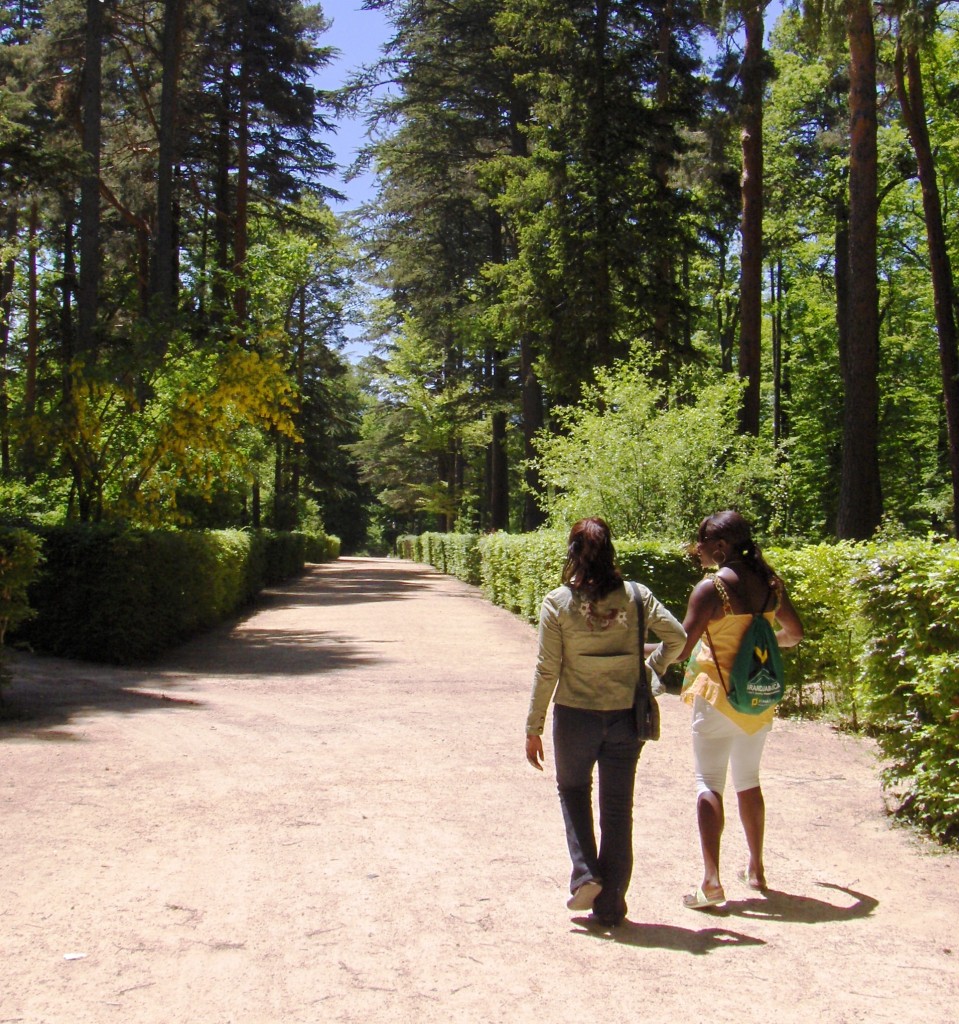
645, 708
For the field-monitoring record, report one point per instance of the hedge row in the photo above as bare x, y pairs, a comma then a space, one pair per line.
881, 650
19, 557
517, 570
116, 595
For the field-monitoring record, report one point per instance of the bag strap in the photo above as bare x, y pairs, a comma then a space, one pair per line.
640, 612
727, 609
724, 595
719, 667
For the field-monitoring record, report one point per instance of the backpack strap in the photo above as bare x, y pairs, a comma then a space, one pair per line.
719, 668
771, 595
722, 591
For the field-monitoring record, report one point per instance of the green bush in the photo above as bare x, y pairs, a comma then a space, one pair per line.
321, 547
19, 559
822, 672
111, 594
628, 454
456, 554
910, 676
517, 570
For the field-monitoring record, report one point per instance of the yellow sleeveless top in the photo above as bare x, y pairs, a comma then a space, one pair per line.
702, 676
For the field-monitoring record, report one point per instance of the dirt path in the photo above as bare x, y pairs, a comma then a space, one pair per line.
324, 814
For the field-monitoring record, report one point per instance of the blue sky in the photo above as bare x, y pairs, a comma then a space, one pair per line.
358, 35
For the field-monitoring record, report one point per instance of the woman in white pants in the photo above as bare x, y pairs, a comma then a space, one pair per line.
720, 610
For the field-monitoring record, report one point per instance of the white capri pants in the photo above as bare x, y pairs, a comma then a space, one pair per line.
718, 743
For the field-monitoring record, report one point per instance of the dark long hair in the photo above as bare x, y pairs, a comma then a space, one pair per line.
590, 567
733, 528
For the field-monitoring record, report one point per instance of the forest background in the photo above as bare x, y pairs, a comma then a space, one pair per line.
633, 259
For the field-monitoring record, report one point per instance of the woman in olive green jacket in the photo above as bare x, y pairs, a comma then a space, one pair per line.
589, 656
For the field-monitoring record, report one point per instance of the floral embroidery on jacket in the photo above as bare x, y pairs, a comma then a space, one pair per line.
601, 620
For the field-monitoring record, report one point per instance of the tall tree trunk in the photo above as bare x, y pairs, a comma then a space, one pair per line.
279, 497
163, 268
727, 313
841, 279
7, 278
222, 204
531, 393
532, 412
751, 260
498, 469
776, 291
31, 357
241, 211
860, 496
498, 475
296, 447
91, 104
68, 288
663, 267
597, 149
912, 101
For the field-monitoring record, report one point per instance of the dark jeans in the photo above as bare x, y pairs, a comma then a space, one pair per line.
582, 739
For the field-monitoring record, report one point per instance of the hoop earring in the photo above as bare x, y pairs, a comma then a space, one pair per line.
720, 559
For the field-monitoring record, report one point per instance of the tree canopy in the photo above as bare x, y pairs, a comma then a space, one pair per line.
624, 257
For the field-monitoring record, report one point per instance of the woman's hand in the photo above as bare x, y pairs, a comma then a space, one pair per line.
534, 751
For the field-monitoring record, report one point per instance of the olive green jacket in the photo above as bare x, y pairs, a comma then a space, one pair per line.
589, 652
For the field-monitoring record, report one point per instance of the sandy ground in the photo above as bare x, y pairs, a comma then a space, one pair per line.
323, 813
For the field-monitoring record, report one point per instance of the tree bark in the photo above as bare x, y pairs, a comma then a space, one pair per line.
222, 203
776, 291
498, 468
860, 495
498, 477
912, 101
751, 224
663, 268
7, 278
532, 411
163, 268
31, 360
241, 209
91, 106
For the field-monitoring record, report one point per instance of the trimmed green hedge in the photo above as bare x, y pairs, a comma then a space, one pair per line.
517, 570
881, 650
118, 595
19, 559
909, 679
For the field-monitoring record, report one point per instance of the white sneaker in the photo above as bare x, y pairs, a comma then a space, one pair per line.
584, 896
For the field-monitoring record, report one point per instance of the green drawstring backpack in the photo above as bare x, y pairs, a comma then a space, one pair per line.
756, 681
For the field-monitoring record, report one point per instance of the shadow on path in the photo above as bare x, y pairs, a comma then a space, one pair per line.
271, 652
49, 692
773, 905
349, 581
769, 906
666, 936
53, 691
